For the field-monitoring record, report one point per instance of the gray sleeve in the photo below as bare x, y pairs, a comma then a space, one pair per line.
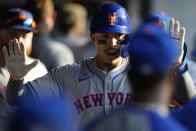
50, 86
41, 89
47, 87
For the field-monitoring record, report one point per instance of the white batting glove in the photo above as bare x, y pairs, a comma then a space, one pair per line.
16, 61
178, 34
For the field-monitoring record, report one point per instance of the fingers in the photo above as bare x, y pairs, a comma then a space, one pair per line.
32, 65
182, 35
171, 27
22, 49
16, 48
177, 30
5, 53
11, 49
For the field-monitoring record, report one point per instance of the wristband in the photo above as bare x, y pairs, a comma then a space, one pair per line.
15, 78
182, 69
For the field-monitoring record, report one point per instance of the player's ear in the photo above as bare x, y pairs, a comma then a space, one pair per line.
92, 36
54, 15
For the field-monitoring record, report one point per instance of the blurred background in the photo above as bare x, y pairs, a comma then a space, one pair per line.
138, 9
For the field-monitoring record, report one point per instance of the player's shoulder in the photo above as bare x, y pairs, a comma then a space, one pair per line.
78, 65
75, 68
135, 119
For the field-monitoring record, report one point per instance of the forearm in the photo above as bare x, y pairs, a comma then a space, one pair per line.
185, 88
185, 114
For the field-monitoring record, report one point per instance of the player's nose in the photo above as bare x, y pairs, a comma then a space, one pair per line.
113, 41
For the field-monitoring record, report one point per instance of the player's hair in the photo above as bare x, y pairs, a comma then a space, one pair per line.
144, 84
41, 9
68, 14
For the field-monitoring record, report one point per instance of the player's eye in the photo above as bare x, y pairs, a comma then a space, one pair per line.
120, 42
120, 36
101, 42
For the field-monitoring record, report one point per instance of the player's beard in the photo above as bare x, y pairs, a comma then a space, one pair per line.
112, 64
108, 60
113, 60
112, 53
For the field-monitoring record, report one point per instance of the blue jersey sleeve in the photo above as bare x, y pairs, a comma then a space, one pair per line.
186, 114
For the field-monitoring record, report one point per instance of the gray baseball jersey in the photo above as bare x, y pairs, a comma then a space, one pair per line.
94, 92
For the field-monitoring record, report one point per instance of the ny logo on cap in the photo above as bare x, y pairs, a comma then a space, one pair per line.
112, 18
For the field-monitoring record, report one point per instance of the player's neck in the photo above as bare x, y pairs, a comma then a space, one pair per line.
159, 95
107, 66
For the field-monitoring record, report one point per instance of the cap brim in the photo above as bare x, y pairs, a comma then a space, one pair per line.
113, 29
23, 28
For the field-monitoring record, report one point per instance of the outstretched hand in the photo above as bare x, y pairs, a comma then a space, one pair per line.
16, 60
177, 33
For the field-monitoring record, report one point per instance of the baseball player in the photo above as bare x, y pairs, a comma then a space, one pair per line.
98, 85
151, 85
173, 28
16, 24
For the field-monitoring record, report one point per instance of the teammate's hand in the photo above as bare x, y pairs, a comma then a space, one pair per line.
177, 33
16, 60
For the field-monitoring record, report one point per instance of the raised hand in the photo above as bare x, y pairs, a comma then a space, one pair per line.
177, 33
16, 60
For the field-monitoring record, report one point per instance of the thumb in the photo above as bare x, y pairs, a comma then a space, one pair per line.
32, 65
